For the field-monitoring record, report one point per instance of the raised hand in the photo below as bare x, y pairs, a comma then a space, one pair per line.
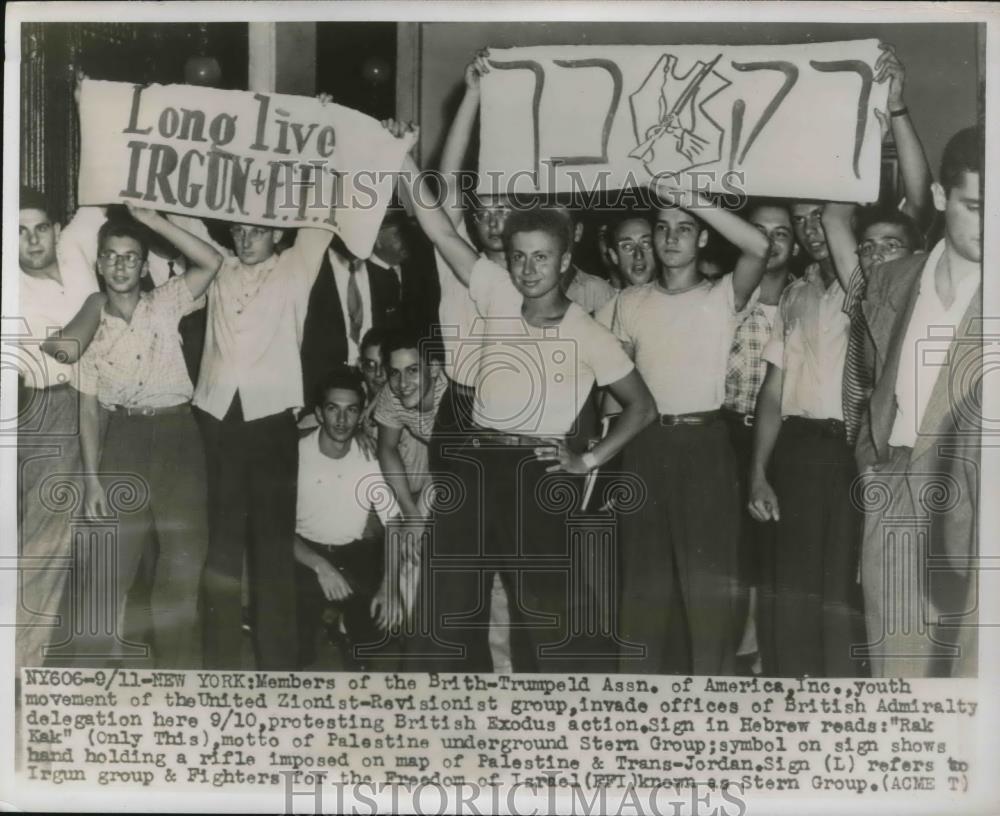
400, 129
475, 69
144, 215
889, 67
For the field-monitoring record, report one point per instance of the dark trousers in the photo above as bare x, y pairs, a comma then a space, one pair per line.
812, 611
679, 593
48, 468
166, 452
252, 470
512, 521
361, 564
756, 538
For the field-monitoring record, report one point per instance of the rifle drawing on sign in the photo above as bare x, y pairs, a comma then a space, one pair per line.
672, 130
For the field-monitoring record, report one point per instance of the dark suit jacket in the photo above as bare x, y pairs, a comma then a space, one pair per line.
947, 445
324, 337
421, 294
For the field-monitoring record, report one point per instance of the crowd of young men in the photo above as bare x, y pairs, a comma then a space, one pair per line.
762, 413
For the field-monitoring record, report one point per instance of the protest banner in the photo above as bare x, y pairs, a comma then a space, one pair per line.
254, 158
781, 120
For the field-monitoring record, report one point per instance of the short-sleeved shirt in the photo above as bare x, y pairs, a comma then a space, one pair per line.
809, 344
533, 381
746, 367
389, 411
680, 340
140, 363
335, 496
256, 315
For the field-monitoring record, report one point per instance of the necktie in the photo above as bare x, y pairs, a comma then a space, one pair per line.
355, 309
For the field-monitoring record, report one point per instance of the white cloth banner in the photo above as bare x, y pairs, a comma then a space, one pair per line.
255, 158
780, 120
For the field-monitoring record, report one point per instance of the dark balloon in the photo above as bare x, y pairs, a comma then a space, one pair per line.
202, 71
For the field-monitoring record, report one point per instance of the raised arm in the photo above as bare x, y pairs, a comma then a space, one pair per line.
763, 503
457, 143
438, 227
839, 230
78, 244
204, 261
747, 238
913, 167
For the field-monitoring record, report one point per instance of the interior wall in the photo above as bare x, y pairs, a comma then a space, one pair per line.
941, 62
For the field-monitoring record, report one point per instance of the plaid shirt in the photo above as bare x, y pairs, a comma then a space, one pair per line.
140, 363
746, 367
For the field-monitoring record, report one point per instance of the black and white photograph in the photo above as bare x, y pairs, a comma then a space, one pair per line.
500, 407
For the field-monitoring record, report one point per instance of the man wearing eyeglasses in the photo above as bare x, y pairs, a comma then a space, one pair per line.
135, 370
883, 235
249, 388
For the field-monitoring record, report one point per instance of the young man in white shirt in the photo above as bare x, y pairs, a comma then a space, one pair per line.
802, 467
745, 372
59, 308
919, 441
680, 593
339, 552
134, 370
545, 356
248, 391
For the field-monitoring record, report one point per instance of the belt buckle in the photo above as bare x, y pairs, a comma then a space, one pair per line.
147, 412
748, 420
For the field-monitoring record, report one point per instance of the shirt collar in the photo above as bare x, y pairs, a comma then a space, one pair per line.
963, 292
813, 277
933, 258
262, 268
375, 259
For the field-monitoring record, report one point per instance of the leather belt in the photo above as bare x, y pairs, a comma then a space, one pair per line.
823, 427
696, 418
745, 420
491, 436
143, 411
